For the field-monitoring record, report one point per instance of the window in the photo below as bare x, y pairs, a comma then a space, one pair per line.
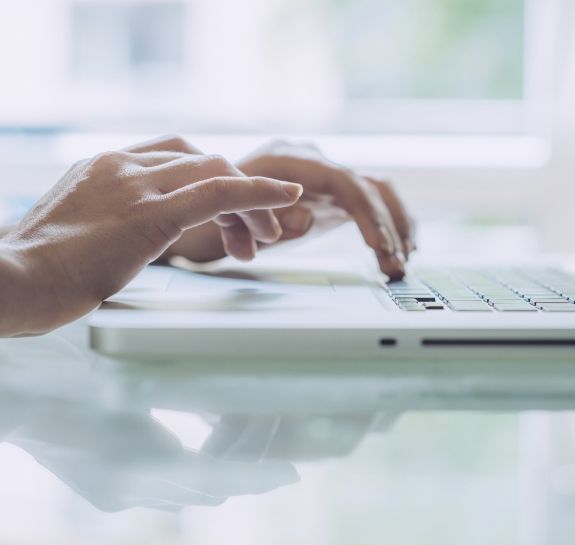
119, 42
332, 66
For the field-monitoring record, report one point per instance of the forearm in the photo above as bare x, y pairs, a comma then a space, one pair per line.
27, 304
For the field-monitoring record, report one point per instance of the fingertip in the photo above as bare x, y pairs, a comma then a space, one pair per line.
293, 191
244, 253
268, 239
245, 258
392, 265
297, 221
239, 246
263, 226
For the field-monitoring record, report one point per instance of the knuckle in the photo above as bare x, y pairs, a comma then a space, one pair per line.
219, 163
260, 183
349, 176
352, 189
213, 189
107, 160
221, 194
176, 143
187, 161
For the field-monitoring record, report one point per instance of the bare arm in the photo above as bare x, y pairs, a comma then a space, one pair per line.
113, 214
15, 292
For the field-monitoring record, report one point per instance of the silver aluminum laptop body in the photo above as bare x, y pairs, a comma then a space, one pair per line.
292, 312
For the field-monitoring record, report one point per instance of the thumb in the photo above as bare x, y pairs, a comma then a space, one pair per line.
202, 201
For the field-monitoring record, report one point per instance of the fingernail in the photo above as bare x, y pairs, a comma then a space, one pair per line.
400, 256
297, 220
293, 191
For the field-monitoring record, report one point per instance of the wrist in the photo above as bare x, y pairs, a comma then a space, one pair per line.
13, 287
27, 306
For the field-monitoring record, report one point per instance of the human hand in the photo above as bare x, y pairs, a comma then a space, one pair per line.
237, 234
332, 195
119, 460
113, 214
55, 405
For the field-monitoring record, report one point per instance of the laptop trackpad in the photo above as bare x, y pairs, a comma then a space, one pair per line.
230, 291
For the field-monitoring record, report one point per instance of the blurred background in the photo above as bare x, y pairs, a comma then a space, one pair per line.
362, 66
465, 104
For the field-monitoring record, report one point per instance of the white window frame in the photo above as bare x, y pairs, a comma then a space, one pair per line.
495, 134
454, 134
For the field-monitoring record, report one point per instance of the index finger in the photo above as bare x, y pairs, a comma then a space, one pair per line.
201, 202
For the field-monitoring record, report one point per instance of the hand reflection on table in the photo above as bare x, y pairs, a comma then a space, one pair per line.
85, 427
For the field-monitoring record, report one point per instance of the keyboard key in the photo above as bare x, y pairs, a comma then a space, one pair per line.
465, 299
515, 308
469, 306
488, 290
542, 300
411, 293
411, 307
506, 300
539, 292
433, 306
557, 307
420, 298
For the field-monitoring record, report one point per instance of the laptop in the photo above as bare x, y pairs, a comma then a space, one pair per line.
300, 310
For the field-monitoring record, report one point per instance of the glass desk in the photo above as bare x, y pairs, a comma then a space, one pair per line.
105, 452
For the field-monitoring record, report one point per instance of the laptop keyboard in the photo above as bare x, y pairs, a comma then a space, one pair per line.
489, 290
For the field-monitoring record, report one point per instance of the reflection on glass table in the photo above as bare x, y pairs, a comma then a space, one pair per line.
123, 455
276, 457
